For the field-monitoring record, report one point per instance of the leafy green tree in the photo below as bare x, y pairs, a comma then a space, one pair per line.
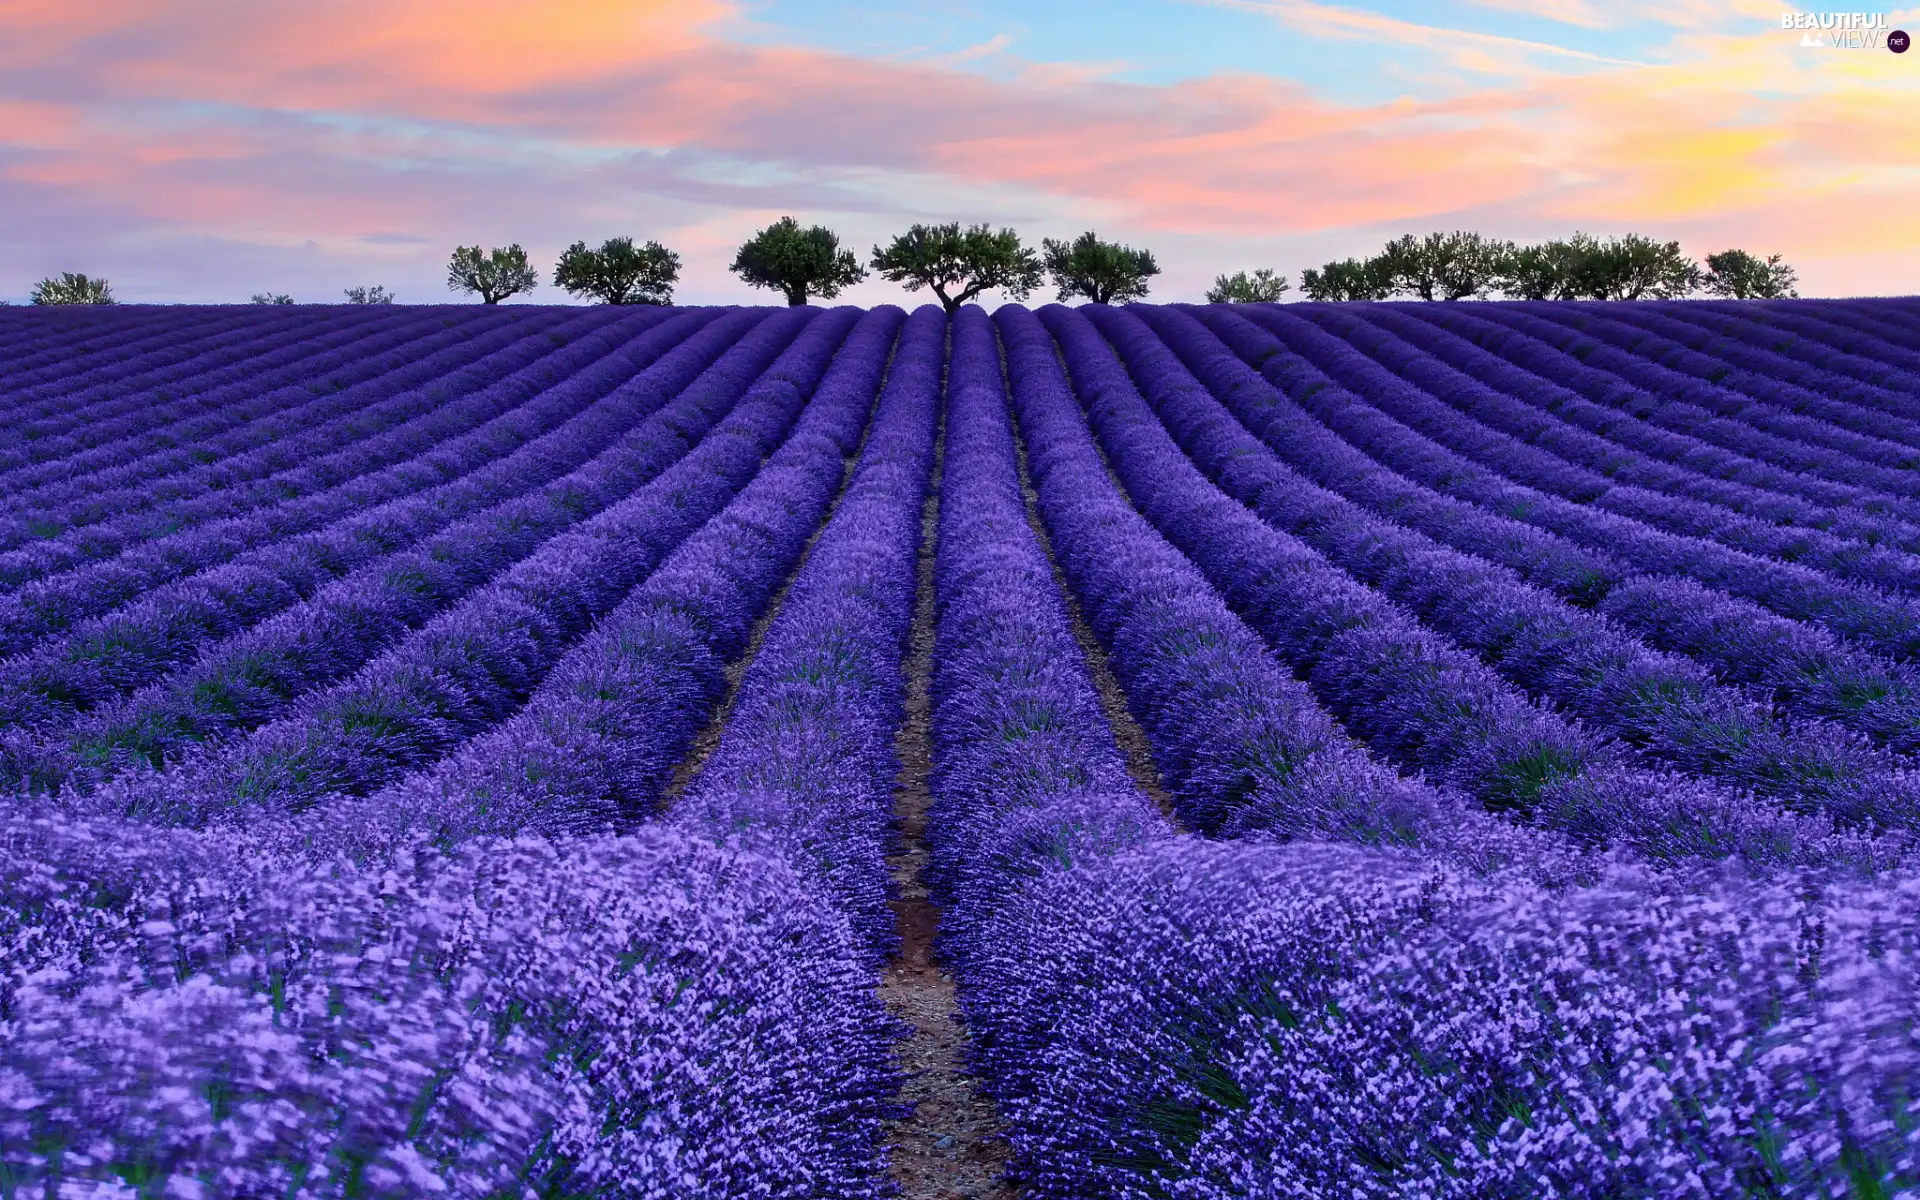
1742, 276
494, 275
1350, 279
959, 264
1103, 272
1583, 267
619, 272
799, 262
1260, 287
271, 298
372, 295
1441, 266
68, 288
1635, 267
1547, 271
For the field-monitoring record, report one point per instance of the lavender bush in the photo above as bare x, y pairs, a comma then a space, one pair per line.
453, 751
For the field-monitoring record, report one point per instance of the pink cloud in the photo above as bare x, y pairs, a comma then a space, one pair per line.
357, 118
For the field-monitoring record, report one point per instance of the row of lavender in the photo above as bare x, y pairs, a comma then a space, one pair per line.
356, 972
1157, 1014
1677, 962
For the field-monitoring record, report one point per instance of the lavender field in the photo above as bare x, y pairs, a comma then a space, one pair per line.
1373, 750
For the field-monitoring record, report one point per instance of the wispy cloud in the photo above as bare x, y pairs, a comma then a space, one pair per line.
1479, 53
327, 141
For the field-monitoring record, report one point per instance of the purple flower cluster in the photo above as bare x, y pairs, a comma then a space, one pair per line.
405, 458
644, 1016
1561, 388
476, 662
1027, 777
306, 456
1586, 550
459, 752
1241, 744
333, 597
235, 1012
1849, 338
1205, 1020
248, 413
1687, 404
1667, 708
1530, 447
1869, 423
806, 766
1814, 677
145, 393
593, 748
264, 408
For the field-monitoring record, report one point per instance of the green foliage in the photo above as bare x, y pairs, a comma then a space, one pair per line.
370, 295
1440, 266
1548, 271
1350, 279
1103, 272
619, 272
68, 288
1462, 265
1742, 276
1260, 287
494, 275
959, 264
1635, 267
271, 298
799, 262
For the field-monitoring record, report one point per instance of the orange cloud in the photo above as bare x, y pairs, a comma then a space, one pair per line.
354, 118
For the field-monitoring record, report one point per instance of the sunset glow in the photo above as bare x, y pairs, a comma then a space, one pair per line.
203, 149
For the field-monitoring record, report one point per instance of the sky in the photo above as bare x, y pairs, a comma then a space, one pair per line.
204, 150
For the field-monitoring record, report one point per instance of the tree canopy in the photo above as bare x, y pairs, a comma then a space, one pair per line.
1103, 272
1349, 279
799, 262
271, 298
619, 272
1548, 271
1441, 266
959, 264
1462, 265
1636, 267
493, 275
69, 288
1260, 287
1738, 275
370, 295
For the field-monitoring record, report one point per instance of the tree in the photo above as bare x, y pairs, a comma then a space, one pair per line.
959, 264
371, 295
1261, 287
271, 298
1350, 279
619, 272
1441, 266
1103, 272
1635, 267
1742, 276
799, 262
68, 288
493, 276
1548, 271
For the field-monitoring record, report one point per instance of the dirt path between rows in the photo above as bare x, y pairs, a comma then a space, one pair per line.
949, 1145
1127, 732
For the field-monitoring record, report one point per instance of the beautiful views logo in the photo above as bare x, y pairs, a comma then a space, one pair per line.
1846, 31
